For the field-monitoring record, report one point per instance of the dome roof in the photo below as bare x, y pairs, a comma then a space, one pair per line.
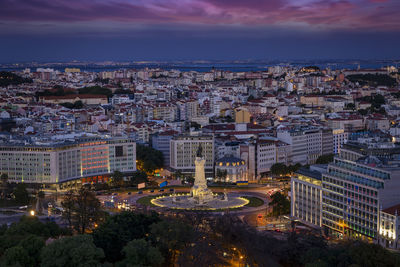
230, 161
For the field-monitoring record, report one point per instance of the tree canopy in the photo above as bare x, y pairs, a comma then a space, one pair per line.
282, 169
95, 90
21, 194
140, 252
8, 78
149, 159
325, 159
372, 79
280, 204
72, 252
118, 230
81, 210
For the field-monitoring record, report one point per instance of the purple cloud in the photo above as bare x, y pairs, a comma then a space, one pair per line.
332, 14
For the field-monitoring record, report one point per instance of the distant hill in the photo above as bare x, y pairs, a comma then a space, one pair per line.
9, 78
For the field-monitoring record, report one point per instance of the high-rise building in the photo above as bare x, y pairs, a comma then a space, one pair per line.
353, 193
53, 162
306, 195
308, 143
161, 141
183, 150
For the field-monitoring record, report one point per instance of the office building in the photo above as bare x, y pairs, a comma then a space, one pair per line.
306, 197
90, 159
183, 150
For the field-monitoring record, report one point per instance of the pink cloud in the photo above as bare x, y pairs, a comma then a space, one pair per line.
347, 14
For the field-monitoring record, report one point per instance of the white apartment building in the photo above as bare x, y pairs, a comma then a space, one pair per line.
183, 151
266, 156
353, 194
306, 197
389, 228
57, 162
306, 143
339, 138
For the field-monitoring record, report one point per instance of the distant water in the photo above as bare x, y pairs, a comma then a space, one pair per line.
205, 67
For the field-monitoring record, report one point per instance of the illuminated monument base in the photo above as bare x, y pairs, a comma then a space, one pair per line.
200, 192
200, 197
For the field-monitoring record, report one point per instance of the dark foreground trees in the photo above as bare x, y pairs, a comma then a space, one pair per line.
81, 210
71, 252
186, 240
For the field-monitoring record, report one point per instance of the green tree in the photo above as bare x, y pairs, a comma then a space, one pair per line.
95, 90
4, 184
72, 251
149, 159
119, 229
251, 97
117, 178
372, 79
350, 106
16, 256
172, 236
33, 246
138, 177
178, 174
8, 78
68, 205
325, 159
140, 252
280, 204
21, 194
29, 225
279, 169
293, 168
81, 209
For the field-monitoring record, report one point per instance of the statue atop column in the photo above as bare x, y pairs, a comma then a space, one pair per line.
199, 191
199, 152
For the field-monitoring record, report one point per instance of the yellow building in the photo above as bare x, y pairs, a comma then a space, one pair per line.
242, 115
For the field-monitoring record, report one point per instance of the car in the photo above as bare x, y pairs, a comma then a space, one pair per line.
161, 190
129, 193
140, 192
115, 194
171, 190
152, 191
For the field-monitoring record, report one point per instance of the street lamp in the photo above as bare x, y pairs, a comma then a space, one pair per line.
32, 213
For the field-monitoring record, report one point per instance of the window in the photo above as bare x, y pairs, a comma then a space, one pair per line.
119, 151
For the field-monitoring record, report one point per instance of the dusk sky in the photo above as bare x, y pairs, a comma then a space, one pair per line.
57, 30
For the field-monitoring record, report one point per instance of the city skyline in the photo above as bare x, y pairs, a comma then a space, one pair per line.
204, 29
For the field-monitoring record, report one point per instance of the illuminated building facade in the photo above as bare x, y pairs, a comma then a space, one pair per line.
236, 169
58, 162
389, 230
352, 195
306, 201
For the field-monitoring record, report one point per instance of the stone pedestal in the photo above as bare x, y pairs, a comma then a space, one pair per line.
199, 191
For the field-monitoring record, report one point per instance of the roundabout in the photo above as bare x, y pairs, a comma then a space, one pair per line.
200, 197
187, 202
